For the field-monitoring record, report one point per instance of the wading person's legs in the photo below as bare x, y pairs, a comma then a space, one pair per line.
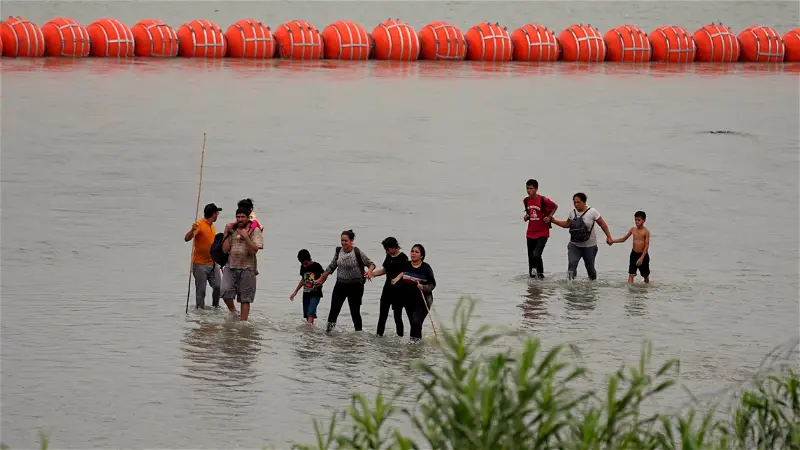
337, 300
573, 257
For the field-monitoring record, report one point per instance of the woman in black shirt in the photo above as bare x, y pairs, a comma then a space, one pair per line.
393, 265
416, 281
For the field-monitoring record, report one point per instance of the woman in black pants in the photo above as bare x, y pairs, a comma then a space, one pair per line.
393, 265
350, 261
417, 282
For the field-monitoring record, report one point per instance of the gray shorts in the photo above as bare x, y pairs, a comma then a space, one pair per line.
239, 283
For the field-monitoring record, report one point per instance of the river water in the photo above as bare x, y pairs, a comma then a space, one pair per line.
100, 164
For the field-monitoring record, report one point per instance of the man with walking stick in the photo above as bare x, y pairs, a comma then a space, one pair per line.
203, 267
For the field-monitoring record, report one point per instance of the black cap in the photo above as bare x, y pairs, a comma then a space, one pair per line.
210, 209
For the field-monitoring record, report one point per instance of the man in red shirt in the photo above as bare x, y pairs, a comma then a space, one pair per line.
539, 211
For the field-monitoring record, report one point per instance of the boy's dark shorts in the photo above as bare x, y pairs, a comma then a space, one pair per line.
644, 269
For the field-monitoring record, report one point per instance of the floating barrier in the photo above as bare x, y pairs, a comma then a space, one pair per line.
672, 44
21, 38
396, 40
442, 41
251, 39
489, 42
299, 39
716, 43
582, 43
154, 38
201, 38
761, 44
110, 37
346, 40
791, 42
535, 42
627, 43
65, 37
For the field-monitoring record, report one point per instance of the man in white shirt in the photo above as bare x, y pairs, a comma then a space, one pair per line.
583, 240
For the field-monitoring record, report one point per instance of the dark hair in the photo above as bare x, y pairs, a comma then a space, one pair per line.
640, 214
243, 210
581, 196
303, 255
421, 250
246, 203
390, 242
349, 234
533, 183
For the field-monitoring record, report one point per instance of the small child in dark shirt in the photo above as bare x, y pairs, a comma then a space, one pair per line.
310, 271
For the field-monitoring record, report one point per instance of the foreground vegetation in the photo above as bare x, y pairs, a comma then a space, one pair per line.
527, 400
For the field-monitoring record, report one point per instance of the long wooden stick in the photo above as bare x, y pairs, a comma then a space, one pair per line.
196, 217
430, 314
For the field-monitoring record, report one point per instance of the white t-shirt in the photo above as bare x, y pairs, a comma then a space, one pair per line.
590, 216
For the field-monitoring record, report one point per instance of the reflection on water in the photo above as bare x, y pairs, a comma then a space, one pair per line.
353, 70
536, 294
636, 300
220, 358
580, 296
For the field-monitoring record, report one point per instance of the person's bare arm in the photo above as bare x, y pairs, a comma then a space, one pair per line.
296, 290
253, 243
562, 223
623, 239
604, 227
646, 243
379, 272
398, 278
190, 234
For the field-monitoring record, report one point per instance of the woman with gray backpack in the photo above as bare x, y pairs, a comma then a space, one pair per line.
583, 240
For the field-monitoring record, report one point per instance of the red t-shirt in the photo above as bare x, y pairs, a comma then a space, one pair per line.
536, 226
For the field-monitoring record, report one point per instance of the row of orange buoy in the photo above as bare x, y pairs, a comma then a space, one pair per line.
395, 40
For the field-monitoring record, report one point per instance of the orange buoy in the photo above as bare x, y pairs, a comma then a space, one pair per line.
111, 38
201, 39
672, 44
761, 44
442, 40
299, 39
65, 37
395, 40
582, 43
154, 38
346, 40
489, 42
21, 37
716, 43
535, 42
250, 38
627, 43
791, 43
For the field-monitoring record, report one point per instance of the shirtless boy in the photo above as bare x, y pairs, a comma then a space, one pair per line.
640, 257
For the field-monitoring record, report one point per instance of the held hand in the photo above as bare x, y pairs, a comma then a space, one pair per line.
228, 228
609, 241
419, 285
194, 227
394, 281
318, 283
370, 276
291, 297
546, 219
526, 218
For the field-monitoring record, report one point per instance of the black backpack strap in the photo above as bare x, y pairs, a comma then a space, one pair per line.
338, 249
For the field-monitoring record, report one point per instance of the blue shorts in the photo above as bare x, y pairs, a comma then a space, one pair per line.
310, 307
